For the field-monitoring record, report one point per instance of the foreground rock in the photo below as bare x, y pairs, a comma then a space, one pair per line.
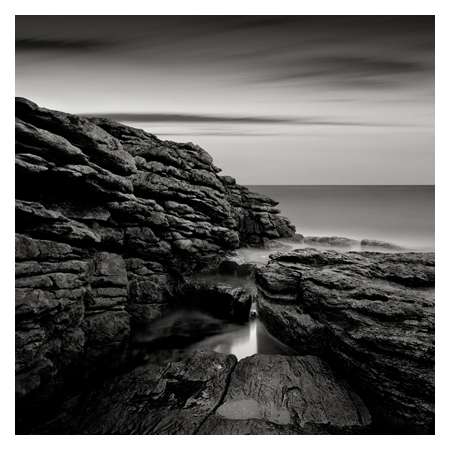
274, 394
173, 398
371, 314
109, 219
208, 393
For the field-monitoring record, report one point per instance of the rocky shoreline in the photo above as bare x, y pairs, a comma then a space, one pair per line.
370, 314
113, 229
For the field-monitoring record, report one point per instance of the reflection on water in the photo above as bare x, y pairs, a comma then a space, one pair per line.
194, 330
244, 341
241, 342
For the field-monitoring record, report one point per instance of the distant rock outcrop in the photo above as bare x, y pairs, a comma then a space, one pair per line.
330, 241
370, 314
380, 245
108, 220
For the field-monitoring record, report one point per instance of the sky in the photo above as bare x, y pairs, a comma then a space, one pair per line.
287, 100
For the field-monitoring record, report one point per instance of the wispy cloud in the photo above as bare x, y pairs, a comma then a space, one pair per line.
352, 70
177, 118
362, 66
193, 118
42, 44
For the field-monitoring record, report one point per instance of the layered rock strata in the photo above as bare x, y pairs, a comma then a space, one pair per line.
109, 219
370, 314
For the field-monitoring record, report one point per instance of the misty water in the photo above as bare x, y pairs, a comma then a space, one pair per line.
403, 215
190, 329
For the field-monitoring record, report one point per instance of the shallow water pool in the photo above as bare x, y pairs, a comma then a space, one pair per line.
196, 330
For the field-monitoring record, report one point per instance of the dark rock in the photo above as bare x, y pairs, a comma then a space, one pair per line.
246, 270
274, 394
100, 146
109, 219
207, 393
173, 398
371, 314
221, 299
236, 265
150, 290
73, 307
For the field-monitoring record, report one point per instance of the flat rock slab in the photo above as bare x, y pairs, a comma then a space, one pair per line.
275, 394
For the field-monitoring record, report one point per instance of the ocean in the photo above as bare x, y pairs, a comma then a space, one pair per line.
402, 215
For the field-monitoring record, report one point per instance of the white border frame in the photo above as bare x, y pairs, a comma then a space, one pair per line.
226, 7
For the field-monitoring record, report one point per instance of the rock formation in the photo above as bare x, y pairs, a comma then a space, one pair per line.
210, 393
370, 314
158, 398
380, 245
330, 241
109, 219
275, 394
221, 299
115, 227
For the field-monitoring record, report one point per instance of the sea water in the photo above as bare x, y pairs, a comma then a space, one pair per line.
403, 215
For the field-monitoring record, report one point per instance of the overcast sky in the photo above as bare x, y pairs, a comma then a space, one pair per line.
275, 100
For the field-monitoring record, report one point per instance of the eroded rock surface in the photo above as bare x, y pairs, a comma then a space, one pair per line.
172, 398
371, 314
108, 220
210, 393
275, 394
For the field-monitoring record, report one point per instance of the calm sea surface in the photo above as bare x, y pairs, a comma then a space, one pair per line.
403, 215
